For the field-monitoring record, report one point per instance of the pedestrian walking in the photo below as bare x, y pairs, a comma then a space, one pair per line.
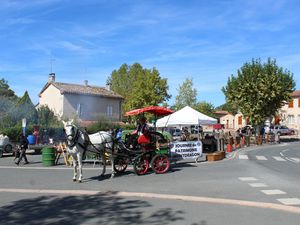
277, 137
248, 136
23, 146
237, 139
217, 138
222, 140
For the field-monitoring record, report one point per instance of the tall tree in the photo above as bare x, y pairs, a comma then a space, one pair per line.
5, 90
140, 87
187, 95
205, 108
233, 109
25, 109
46, 117
8, 101
259, 90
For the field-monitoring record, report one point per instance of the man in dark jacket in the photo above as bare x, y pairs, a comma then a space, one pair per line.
23, 146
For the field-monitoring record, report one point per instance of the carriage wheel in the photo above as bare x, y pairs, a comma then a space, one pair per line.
141, 165
160, 164
120, 164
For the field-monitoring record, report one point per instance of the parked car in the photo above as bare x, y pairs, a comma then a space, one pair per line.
5, 145
282, 130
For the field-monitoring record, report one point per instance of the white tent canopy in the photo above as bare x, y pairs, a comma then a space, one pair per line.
185, 116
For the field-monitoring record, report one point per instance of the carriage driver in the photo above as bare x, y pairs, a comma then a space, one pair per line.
142, 131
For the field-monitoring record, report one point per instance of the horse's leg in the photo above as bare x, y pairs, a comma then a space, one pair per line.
79, 160
74, 167
113, 172
104, 163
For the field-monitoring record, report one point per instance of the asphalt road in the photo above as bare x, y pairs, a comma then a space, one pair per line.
256, 185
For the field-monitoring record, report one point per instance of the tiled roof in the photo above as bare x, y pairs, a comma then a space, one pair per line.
221, 112
82, 89
296, 94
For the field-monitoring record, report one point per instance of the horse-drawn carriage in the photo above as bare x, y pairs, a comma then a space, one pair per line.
154, 154
121, 152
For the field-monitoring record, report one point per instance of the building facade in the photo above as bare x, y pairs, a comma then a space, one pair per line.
289, 114
85, 102
232, 122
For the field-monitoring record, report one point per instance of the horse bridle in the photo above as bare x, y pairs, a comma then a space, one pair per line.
72, 143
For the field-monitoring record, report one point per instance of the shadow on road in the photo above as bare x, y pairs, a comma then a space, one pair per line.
289, 139
104, 208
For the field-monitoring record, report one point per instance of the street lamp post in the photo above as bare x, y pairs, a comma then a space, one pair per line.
24, 126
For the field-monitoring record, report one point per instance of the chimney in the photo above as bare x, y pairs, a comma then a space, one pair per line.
108, 86
86, 83
51, 77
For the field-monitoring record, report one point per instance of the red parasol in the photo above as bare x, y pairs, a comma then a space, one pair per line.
156, 110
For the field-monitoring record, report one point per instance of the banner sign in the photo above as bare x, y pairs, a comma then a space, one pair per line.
186, 150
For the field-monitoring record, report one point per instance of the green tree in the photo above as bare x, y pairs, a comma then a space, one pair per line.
46, 117
205, 108
187, 95
259, 90
5, 90
233, 109
7, 102
24, 109
140, 87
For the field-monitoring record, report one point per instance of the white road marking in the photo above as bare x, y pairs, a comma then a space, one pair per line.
296, 160
25, 167
196, 199
247, 179
243, 157
278, 158
281, 153
261, 157
289, 201
258, 185
273, 192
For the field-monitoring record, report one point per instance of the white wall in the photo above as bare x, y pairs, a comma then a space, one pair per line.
91, 107
52, 97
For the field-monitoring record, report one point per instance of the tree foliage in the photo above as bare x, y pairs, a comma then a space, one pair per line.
187, 95
14, 109
259, 90
205, 108
140, 87
25, 109
5, 90
46, 117
7, 102
233, 109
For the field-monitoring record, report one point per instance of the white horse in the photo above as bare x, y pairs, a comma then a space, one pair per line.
79, 142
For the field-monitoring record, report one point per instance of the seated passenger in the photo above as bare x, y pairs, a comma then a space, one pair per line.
142, 131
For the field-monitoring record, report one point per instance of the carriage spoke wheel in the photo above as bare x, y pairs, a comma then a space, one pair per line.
120, 165
141, 165
160, 164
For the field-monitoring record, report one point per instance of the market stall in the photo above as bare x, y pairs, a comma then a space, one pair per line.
187, 116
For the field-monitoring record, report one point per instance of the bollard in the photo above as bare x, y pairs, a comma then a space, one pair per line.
229, 148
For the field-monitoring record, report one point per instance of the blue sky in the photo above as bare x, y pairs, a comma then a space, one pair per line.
203, 40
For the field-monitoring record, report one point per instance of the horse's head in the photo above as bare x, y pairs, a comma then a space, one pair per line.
70, 130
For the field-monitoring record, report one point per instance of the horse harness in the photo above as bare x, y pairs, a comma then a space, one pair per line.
86, 140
